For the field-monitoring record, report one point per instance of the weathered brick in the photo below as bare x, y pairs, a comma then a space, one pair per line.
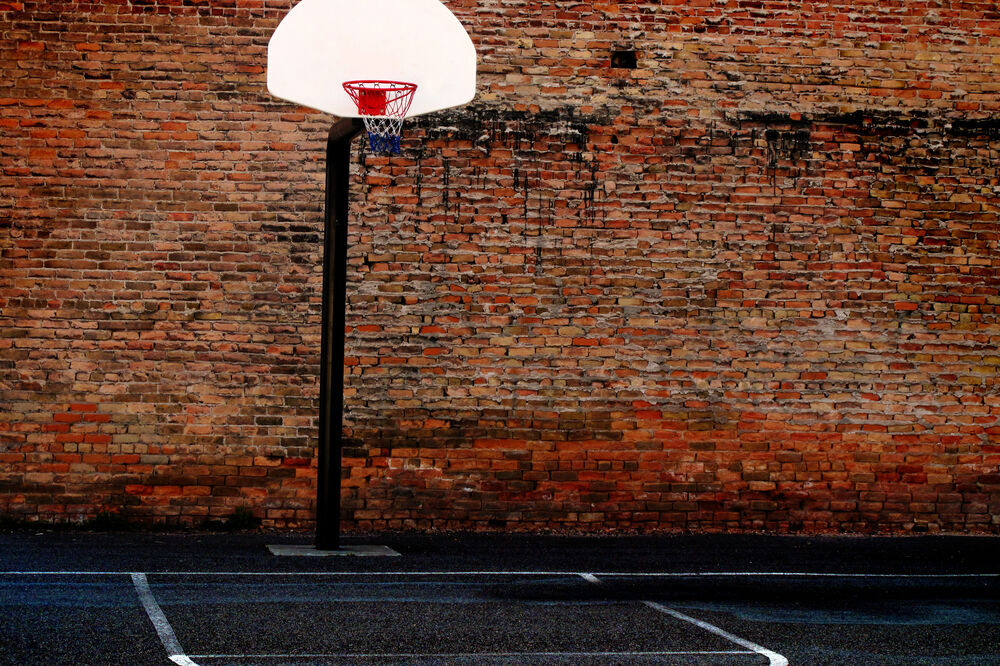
599, 297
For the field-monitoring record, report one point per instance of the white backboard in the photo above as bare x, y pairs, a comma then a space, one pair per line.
321, 44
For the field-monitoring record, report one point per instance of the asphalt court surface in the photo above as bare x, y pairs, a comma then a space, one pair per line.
75, 598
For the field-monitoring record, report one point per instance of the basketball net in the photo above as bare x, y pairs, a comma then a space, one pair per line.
382, 106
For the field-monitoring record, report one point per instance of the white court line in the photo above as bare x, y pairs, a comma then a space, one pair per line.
176, 653
604, 574
160, 623
463, 655
773, 658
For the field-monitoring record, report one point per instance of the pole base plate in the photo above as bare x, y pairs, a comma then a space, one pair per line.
292, 550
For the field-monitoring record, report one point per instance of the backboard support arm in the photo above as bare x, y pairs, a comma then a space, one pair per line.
331, 385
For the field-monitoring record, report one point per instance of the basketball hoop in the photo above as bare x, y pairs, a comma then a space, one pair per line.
382, 105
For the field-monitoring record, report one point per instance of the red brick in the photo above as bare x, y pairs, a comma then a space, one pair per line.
596, 298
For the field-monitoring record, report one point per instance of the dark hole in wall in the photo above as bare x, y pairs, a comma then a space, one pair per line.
624, 59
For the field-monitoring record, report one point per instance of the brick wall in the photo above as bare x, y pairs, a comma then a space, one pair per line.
697, 265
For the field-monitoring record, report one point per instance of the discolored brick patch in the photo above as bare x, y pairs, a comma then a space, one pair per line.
712, 267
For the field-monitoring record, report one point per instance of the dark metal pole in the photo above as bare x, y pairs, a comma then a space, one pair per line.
331, 378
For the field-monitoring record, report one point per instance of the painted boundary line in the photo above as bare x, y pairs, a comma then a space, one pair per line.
176, 653
582, 574
160, 623
773, 658
467, 655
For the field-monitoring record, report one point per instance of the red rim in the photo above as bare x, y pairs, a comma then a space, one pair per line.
377, 97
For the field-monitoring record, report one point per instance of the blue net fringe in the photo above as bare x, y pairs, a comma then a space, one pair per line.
384, 144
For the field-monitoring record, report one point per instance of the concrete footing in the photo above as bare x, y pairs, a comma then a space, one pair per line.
289, 550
